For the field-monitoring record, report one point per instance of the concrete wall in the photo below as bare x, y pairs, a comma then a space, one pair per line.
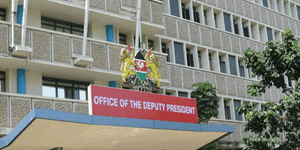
97, 31
34, 18
34, 83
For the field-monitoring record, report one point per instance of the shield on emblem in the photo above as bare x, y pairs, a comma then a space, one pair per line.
140, 68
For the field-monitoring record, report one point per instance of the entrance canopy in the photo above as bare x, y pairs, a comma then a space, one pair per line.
47, 129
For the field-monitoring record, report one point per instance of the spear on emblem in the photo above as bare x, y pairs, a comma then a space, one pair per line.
128, 46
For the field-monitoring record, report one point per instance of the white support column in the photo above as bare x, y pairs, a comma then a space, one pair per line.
232, 24
280, 6
287, 7
273, 4
249, 29
201, 14
205, 59
255, 32
184, 54
232, 112
220, 19
215, 61
294, 11
24, 22
237, 66
221, 109
210, 17
190, 4
240, 24
86, 25
195, 57
13, 16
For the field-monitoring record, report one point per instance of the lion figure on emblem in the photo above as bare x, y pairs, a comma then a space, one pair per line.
153, 64
126, 62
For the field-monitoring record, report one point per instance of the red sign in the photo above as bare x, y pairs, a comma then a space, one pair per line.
105, 101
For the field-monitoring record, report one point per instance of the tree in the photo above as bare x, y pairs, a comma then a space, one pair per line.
279, 59
207, 101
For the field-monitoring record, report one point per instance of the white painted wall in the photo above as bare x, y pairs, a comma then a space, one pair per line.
34, 82
34, 18
97, 30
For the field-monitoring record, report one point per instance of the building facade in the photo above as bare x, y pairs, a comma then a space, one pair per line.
195, 40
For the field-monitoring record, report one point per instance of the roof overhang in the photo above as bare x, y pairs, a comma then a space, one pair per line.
47, 129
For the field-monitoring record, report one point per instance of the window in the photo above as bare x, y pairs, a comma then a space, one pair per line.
182, 94
62, 26
227, 110
246, 31
236, 28
237, 115
196, 15
189, 58
60, 88
227, 22
150, 44
242, 69
179, 57
2, 81
270, 34
199, 59
210, 62
174, 8
2, 14
298, 11
265, 3
205, 17
122, 38
290, 82
232, 65
185, 12
215, 18
165, 50
222, 65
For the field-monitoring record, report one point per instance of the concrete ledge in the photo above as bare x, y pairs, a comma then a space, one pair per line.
20, 51
82, 61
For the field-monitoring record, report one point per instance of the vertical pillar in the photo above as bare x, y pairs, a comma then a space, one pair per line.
20, 14
21, 84
112, 84
110, 33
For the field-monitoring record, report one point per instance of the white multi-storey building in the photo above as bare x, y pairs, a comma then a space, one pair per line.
195, 40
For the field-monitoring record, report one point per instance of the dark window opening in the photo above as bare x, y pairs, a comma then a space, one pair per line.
210, 62
298, 11
196, 15
242, 71
270, 34
227, 111
2, 14
179, 57
205, 17
122, 38
237, 115
185, 12
232, 64
236, 28
62, 26
182, 94
265, 3
165, 50
227, 22
150, 44
62, 88
216, 22
222, 65
199, 60
174, 8
2, 81
190, 59
246, 31
290, 82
